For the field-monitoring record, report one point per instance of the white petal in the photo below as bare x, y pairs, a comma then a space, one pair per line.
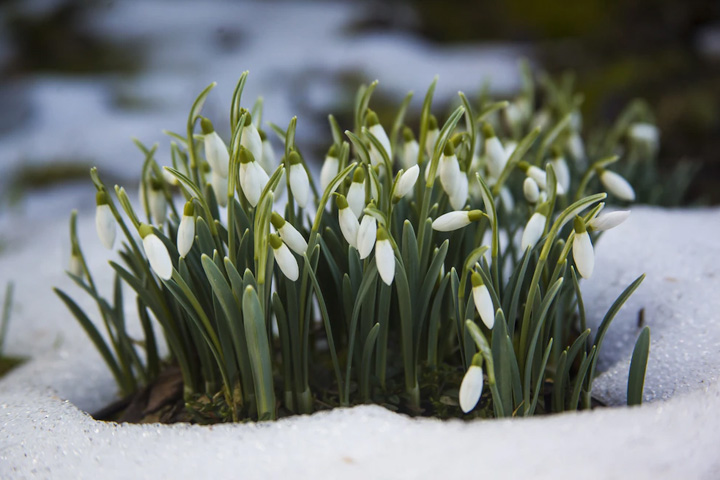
459, 196
348, 225
617, 185
562, 173
538, 175
533, 231
583, 254
496, 156
645, 132
328, 172
158, 205
253, 182
471, 388
158, 256
169, 178
379, 132
366, 236
356, 198
216, 153
268, 161
531, 190
430, 141
220, 188
251, 140
75, 266
293, 238
576, 147
299, 184
449, 169
411, 150
484, 305
185, 235
407, 181
451, 221
105, 225
606, 221
286, 261
385, 261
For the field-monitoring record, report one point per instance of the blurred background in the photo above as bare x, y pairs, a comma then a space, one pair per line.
80, 78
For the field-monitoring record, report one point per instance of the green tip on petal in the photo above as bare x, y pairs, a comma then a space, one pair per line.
248, 117
557, 151
432, 122
155, 184
476, 280
382, 234
245, 155
475, 215
579, 225
408, 134
341, 202
207, 126
544, 209
102, 198
372, 118
277, 220
359, 175
456, 139
449, 149
477, 360
263, 135
144, 230
294, 158
333, 151
488, 131
275, 241
189, 209
523, 165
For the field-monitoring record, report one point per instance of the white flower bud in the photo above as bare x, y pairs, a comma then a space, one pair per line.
449, 169
471, 388
406, 182
284, 258
186, 230
252, 176
459, 196
411, 150
378, 132
576, 147
647, 133
583, 250
156, 253
75, 266
299, 182
562, 173
384, 257
483, 302
531, 190
158, 203
455, 220
104, 220
348, 221
494, 152
432, 136
216, 152
356, 193
533, 230
329, 169
250, 138
606, 221
617, 185
268, 160
289, 234
366, 236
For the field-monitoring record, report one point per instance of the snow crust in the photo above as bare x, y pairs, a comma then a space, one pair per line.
45, 433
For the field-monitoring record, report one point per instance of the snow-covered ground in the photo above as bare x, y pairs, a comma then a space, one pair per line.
673, 435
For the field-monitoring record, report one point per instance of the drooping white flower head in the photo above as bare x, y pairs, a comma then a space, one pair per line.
252, 176
472, 385
384, 256
449, 169
406, 182
156, 252
535, 227
582, 249
562, 172
75, 265
216, 152
645, 133
348, 221
157, 201
366, 236
186, 230
411, 149
606, 221
169, 178
432, 135
330, 168
104, 219
284, 258
220, 188
289, 234
617, 185
483, 302
459, 196
494, 151
356, 192
299, 182
576, 147
374, 127
454, 220
250, 138
531, 190
268, 160
540, 177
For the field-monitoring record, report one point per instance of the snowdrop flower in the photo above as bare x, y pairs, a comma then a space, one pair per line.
540, 176
284, 258
494, 151
455, 220
299, 182
411, 149
576, 147
75, 266
472, 385
483, 302
289, 234
330, 168
220, 188
374, 127
157, 201
252, 176
606, 221
366, 236
169, 178
356, 192
535, 227
562, 172
583, 249
459, 196
348, 221
531, 190
156, 252
617, 185
432, 135
449, 169
216, 152
250, 138
186, 230
104, 219
384, 256
646, 133
268, 160
406, 182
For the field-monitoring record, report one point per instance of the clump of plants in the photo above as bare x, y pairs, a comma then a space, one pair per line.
435, 272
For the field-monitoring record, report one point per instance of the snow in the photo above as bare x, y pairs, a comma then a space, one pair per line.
673, 435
